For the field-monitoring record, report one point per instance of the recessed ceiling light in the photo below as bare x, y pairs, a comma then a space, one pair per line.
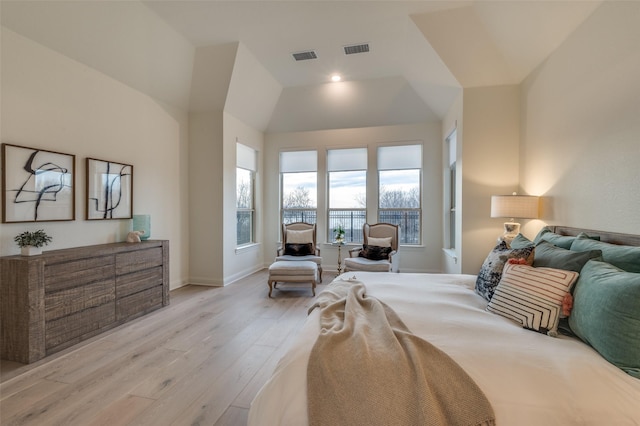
336, 77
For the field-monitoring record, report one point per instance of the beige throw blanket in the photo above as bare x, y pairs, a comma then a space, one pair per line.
366, 368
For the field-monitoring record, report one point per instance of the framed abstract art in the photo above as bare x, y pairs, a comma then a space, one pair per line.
109, 190
37, 185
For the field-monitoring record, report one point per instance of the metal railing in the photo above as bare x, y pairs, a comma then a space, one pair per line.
351, 221
299, 215
408, 220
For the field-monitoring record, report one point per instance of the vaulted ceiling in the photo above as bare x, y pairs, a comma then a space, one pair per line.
421, 52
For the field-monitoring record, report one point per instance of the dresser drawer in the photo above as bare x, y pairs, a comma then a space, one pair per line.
72, 328
76, 273
71, 300
135, 282
139, 304
139, 260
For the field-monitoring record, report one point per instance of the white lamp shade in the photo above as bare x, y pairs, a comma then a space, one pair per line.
514, 206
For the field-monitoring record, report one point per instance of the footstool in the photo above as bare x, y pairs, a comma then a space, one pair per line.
293, 271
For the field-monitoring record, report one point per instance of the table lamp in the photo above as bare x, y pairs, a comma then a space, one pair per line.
513, 206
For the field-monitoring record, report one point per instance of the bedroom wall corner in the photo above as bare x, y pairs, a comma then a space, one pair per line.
206, 234
490, 165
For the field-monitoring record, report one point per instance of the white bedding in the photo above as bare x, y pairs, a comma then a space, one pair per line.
529, 378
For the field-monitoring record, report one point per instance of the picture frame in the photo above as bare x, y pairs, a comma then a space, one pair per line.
109, 190
38, 185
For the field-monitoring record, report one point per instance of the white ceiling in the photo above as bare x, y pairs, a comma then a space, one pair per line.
435, 47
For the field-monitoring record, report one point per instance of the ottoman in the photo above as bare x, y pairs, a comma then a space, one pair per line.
293, 271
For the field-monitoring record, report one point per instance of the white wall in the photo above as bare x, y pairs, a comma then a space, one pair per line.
426, 258
52, 102
580, 138
489, 166
205, 198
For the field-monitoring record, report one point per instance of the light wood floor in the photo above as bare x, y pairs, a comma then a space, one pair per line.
198, 361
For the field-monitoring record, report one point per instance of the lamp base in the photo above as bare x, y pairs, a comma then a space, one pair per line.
511, 230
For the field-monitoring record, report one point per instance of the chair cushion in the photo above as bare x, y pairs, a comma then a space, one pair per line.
374, 252
294, 249
310, 258
364, 264
300, 237
380, 242
293, 268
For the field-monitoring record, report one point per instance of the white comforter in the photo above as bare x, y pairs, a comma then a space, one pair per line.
529, 378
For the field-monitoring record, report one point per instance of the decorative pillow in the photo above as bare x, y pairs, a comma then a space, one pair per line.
298, 249
549, 256
520, 241
606, 314
626, 258
532, 296
300, 237
374, 252
491, 270
380, 242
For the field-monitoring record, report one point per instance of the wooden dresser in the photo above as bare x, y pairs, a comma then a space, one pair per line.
55, 300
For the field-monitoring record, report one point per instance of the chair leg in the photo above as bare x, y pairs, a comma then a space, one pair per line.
313, 287
270, 287
320, 273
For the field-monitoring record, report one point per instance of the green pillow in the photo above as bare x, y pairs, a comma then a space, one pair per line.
546, 234
520, 241
606, 314
626, 258
549, 256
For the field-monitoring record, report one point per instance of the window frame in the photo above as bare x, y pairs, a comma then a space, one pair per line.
404, 234
359, 159
312, 212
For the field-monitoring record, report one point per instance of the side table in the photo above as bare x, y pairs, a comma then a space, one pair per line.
339, 244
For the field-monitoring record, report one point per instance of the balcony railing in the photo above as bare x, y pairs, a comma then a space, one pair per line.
299, 215
408, 220
351, 221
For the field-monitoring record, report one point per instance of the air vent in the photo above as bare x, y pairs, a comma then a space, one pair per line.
303, 56
356, 48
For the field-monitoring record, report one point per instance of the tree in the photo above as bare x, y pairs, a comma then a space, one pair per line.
399, 198
299, 198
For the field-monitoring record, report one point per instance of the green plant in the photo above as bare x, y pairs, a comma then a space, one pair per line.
339, 232
38, 238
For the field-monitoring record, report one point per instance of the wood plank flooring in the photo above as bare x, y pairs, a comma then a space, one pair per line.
198, 361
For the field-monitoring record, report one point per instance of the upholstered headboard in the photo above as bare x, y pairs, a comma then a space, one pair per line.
607, 237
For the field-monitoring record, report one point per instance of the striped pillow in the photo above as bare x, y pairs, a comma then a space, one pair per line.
532, 296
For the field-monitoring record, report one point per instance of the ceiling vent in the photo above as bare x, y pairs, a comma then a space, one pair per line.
356, 48
303, 56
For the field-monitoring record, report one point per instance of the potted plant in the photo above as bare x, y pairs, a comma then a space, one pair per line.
338, 231
31, 243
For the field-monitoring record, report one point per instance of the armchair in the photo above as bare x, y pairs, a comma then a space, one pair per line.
296, 238
379, 239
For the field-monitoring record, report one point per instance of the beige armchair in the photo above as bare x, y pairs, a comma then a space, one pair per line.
379, 252
296, 238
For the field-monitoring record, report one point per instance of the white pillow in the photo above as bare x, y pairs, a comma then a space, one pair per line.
532, 296
380, 242
300, 237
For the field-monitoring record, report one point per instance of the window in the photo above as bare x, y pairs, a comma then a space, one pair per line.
399, 200
347, 169
245, 197
450, 192
299, 186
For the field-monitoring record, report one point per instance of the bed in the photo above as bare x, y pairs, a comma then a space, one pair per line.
529, 378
